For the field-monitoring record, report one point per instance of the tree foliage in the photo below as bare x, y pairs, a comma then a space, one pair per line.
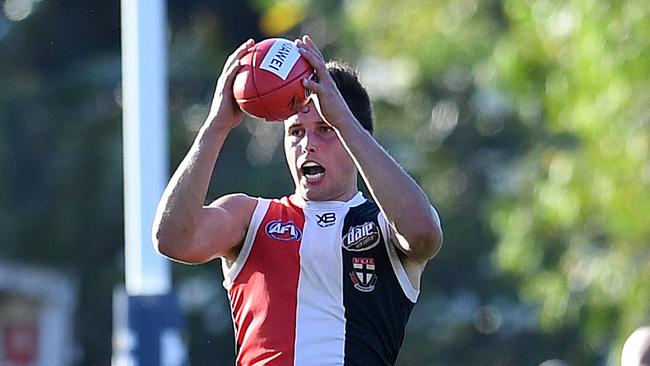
579, 197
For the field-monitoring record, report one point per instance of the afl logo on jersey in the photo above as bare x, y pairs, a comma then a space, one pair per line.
283, 230
361, 237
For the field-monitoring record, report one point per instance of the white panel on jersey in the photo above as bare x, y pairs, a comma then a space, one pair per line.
320, 333
410, 291
230, 273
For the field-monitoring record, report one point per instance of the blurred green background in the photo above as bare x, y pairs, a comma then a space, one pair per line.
527, 122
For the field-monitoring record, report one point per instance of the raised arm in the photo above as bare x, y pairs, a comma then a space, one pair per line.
184, 229
413, 221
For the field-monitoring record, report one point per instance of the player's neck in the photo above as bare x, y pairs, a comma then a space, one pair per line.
343, 197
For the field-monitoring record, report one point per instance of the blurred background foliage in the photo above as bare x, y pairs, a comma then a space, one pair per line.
526, 122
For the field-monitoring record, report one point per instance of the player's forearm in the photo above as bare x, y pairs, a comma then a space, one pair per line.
180, 207
401, 199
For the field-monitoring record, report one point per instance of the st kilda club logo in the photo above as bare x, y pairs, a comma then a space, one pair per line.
281, 230
363, 274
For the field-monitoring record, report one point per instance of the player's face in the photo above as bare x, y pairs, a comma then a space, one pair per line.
321, 168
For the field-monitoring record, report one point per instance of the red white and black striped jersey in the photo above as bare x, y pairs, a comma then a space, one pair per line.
318, 283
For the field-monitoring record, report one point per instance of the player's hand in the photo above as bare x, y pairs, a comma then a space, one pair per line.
328, 100
224, 110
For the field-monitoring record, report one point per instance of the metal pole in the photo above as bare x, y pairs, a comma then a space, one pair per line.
144, 98
147, 317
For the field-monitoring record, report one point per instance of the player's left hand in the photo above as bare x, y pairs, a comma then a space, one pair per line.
326, 96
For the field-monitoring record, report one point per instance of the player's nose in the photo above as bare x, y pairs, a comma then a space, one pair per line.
310, 141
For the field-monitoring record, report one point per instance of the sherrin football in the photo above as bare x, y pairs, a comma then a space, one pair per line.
268, 84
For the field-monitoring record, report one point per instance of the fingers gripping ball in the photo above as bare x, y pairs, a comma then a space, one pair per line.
268, 84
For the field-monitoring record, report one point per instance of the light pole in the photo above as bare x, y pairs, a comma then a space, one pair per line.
147, 318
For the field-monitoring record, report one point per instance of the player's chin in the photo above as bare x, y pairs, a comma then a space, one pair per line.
313, 193
313, 187
311, 196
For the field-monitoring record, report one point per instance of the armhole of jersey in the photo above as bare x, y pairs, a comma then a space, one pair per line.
409, 290
231, 272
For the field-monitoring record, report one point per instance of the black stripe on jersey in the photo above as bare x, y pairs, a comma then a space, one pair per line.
376, 308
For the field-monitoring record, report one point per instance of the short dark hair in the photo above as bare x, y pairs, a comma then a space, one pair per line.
354, 93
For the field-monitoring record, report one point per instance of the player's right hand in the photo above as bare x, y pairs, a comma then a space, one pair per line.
224, 110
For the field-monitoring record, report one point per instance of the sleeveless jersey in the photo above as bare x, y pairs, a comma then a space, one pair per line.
318, 283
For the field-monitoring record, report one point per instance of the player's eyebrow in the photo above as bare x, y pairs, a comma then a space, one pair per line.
294, 124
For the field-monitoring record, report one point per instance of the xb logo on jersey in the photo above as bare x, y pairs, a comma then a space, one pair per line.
283, 230
326, 219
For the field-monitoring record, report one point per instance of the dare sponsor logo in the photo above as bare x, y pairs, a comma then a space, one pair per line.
361, 237
281, 230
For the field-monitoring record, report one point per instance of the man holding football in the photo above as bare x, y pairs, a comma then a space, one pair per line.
324, 276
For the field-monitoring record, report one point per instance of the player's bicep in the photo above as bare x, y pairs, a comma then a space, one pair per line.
222, 227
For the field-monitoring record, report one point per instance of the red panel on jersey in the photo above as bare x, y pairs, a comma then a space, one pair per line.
264, 294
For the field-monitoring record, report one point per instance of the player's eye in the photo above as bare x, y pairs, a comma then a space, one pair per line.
295, 132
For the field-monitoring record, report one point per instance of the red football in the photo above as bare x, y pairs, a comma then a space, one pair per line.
269, 82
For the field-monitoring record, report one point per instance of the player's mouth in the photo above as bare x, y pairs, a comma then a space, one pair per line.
312, 171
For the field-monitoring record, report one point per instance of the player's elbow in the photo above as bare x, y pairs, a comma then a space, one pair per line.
423, 238
163, 242
426, 242
171, 244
